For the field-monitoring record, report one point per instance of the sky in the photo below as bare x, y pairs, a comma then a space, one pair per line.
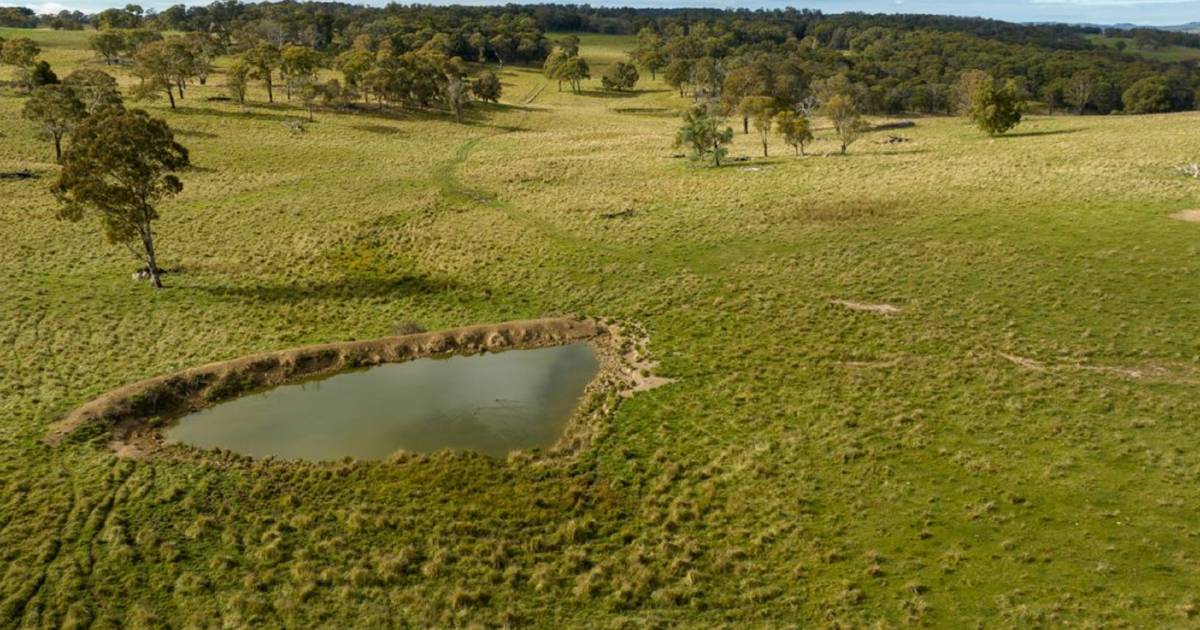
1147, 12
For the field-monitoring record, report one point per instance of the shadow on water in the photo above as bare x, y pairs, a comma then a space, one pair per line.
353, 287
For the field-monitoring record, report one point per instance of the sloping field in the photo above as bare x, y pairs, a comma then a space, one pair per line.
1011, 444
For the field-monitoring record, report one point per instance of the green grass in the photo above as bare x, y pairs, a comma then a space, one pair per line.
813, 465
1170, 54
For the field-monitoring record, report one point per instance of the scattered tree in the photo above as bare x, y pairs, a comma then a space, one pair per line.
970, 84
573, 70
569, 45
355, 65
22, 53
848, 123
456, 94
263, 59
108, 45
796, 129
204, 48
487, 87
551, 67
95, 89
237, 80
299, 65
309, 90
760, 110
334, 95
57, 110
649, 54
994, 109
620, 76
678, 74
739, 83
181, 62
120, 164
702, 133
155, 66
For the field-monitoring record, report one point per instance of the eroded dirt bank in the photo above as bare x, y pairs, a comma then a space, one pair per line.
131, 414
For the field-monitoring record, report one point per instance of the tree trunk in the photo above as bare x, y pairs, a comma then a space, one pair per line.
764, 141
179, 85
745, 124
171, 95
151, 260
58, 147
270, 91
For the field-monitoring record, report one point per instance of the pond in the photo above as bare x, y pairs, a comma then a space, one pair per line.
489, 403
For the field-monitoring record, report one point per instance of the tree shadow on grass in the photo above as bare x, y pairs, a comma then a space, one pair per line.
191, 133
607, 94
248, 114
1032, 134
382, 130
653, 112
350, 287
903, 152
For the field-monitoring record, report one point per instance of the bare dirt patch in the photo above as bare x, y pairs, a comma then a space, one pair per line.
1191, 216
637, 368
882, 309
132, 414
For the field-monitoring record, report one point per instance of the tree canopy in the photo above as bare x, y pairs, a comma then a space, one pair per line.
703, 135
57, 110
994, 108
620, 76
120, 165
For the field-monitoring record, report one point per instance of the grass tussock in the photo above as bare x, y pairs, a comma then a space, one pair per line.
812, 464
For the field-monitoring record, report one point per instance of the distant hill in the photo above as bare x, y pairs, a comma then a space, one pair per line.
1190, 27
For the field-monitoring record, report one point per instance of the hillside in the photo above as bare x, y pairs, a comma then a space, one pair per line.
948, 382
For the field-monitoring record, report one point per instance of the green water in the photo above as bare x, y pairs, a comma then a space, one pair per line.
491, 404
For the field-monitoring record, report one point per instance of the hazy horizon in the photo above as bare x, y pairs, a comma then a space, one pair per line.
1144, 12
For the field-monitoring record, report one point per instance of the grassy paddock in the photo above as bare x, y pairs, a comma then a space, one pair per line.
1166, 53
814, 464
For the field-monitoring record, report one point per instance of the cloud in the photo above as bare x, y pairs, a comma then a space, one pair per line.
41, 8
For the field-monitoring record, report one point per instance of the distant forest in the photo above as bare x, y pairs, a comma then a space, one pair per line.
903, 63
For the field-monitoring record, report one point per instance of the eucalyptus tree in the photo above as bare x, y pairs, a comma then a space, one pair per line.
119, 166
